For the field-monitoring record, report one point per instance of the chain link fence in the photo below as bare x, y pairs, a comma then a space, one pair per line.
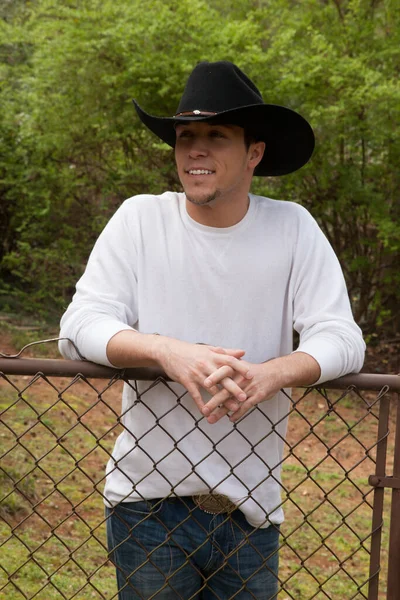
59, 423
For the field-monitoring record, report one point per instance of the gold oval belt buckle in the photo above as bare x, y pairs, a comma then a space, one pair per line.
214, 504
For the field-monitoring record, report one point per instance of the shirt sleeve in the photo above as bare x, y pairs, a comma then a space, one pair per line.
321, 307
105, 301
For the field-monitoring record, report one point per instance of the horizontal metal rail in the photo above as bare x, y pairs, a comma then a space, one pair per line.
70, 368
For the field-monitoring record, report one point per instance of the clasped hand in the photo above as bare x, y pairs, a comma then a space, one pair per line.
264, 383
192, 364
234, 384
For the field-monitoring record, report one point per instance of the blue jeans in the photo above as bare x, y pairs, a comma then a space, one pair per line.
171, 549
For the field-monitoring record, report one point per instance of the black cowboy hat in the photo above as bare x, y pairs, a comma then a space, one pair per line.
220, 92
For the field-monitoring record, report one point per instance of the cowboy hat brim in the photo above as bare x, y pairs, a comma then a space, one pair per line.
288, 137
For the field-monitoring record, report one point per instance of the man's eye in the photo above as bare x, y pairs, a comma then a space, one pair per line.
184, 134
217, 134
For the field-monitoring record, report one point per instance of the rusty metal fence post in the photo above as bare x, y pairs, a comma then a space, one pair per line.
377, 515
394, 543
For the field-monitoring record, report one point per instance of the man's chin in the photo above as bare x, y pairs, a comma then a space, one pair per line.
202, 200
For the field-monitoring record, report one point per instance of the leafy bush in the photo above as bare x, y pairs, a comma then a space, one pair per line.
74, 148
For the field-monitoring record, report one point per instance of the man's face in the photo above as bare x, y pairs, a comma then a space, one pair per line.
212, 161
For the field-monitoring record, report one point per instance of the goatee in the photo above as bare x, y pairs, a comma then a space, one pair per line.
202, 201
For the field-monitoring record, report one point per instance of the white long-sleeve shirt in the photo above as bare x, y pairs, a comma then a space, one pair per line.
154, 269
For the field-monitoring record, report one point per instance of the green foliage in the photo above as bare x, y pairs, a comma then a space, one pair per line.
74, 148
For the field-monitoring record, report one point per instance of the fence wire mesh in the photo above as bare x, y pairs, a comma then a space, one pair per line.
57, 433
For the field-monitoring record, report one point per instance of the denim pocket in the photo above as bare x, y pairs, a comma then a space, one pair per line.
140, 508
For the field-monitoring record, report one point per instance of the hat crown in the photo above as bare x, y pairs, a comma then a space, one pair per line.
218, 87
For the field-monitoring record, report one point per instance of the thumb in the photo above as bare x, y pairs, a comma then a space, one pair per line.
236, 352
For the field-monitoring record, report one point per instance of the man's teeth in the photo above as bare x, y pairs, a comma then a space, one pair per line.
200, 172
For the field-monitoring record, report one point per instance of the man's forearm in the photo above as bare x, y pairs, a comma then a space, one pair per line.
295, 369
133, 349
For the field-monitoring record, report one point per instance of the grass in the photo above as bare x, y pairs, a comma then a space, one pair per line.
21, 334
326, 522
55, 441
51, 569
52, 533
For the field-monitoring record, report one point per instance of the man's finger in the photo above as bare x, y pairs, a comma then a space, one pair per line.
239, 366
196, 395
243, 409
235, 352
218, 375
219, 399
229, 406
220, 412
234, 389
232, 405
213, 390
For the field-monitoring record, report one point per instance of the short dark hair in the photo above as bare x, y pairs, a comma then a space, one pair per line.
250, 137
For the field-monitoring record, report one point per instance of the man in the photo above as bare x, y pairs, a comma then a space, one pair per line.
208, 284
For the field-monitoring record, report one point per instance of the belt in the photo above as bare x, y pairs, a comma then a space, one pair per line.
214, 504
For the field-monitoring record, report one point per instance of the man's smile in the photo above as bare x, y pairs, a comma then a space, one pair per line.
200, 172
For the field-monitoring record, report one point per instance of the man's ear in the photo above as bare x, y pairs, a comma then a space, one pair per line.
256, 152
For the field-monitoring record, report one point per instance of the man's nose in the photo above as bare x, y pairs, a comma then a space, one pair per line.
198, 147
